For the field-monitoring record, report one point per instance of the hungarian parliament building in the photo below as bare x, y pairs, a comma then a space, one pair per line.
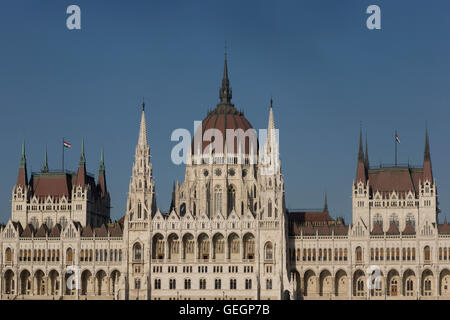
228, 234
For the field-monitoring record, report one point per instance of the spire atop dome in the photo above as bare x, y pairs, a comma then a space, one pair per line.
225, 93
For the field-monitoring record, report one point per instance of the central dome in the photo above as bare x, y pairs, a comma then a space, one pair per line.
225, 116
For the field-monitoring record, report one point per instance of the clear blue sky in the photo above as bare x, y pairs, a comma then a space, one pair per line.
325, 70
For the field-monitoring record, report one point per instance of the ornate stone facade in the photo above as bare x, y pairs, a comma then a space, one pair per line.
228, 234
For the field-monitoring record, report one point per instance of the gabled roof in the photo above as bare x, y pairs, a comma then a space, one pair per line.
409, 229
87, 232
101, 232
115, 230
377, 229
28, 232
393, 229
303, 217
56, 231
43, 231
444, 228
54, 184
341, 230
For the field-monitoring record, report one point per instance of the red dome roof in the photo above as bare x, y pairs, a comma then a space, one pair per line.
223, 117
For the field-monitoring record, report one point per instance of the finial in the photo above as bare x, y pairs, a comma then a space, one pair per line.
271, 102
143, 104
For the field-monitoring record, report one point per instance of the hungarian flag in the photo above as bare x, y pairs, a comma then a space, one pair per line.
67, 145
397, 138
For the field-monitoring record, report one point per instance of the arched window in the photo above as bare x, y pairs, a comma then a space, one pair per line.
8, 253
217, 200
426, 253
137, 251
183, 209
358, 254
34, 222
231, 198
139, 210
410, 219
49, 222
69, 256
269, 209
63, 222
394, 219
268, 251
378, 219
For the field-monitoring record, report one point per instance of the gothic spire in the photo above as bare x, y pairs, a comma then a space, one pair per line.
427, 171
81, 174
45, 166
225, 93
427, 155
82, 155
101, 175
325, 206
23, 160
271, 124
361, 168
102, 162
22, 179
360, 152
142, 141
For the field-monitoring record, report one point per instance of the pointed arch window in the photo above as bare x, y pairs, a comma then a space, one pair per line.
139, 210
231, 198
217, 199
137, 251
269, 209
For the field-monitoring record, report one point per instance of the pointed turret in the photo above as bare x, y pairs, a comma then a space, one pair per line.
325, 205
22, 177
81, 175
102, 175
45, 166
225, 92
427, 171
361, 168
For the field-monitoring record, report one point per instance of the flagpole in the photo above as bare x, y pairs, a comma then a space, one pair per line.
63, 154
